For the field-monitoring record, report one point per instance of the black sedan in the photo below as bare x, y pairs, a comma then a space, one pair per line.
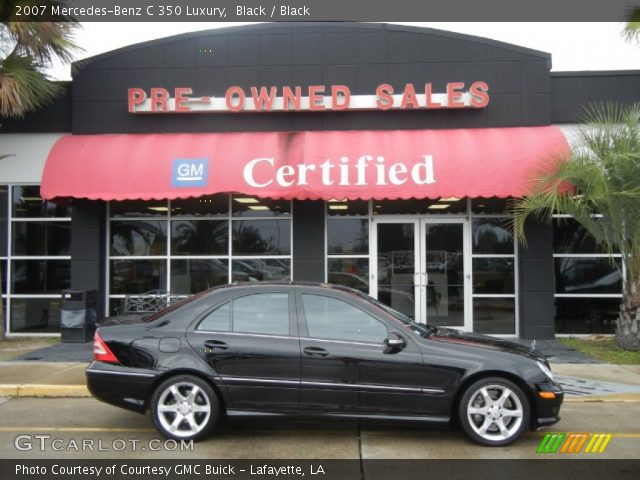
317, 350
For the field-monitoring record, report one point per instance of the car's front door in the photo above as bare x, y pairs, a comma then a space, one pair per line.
345, 365
252, 344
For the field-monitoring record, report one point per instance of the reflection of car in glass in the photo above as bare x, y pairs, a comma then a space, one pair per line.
316, 350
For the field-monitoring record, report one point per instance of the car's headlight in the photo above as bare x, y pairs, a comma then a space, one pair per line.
546, 370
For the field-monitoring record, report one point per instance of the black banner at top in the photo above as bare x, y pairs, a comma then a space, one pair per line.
319, 10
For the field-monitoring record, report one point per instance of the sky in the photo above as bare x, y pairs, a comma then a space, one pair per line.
574, 46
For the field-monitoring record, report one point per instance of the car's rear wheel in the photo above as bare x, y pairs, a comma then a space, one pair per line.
185, 407
494, 411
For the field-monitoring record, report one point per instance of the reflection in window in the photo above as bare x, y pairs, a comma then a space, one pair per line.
249, 206
207, 206
35, 315
266, 313
494, 315
493, 275
138, 208
350, 272
138, 237
28, 203
330, 318
41, 238
571, 237
40, 276
348, 236
199, 237
586, 315
588, 275
261, 237
217, 321
259, 269
195, 275
344, 208
492, 236
137, 276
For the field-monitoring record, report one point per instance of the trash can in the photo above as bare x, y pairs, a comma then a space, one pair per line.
78, 314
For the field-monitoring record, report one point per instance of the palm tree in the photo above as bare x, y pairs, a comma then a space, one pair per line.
603, 177
27, 45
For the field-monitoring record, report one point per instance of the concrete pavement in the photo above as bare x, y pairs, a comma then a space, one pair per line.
583, 382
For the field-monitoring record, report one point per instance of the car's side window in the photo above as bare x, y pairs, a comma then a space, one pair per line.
266, 313
333, 319
218, 320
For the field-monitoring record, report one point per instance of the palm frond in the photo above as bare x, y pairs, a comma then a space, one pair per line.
23, 87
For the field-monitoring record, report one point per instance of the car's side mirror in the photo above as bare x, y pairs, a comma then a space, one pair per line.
394, 342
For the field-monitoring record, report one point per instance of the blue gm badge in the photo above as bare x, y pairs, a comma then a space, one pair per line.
190, 172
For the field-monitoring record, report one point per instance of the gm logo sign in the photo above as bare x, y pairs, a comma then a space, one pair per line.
190, 172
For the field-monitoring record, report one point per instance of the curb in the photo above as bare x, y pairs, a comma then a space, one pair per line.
45, 391
612, 398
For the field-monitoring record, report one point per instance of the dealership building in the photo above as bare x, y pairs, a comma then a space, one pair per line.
377, 156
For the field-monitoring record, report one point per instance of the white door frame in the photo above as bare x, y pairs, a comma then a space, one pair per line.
419, 223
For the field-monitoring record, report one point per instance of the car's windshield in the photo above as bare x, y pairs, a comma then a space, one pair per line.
418, 328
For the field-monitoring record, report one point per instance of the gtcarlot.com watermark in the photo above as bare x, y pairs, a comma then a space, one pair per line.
45, 443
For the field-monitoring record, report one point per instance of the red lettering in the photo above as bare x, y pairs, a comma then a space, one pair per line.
340, 92
264, 100
428, 93
182, 96
384, 93
479, 94
159, 98
289, 97
454, 95
409, 99
237, 93
316, 94
136, 96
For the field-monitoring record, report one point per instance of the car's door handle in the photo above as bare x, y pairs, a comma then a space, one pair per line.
315, 351
216, 345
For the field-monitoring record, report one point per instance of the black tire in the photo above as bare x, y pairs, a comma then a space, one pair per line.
204, 408
495, 417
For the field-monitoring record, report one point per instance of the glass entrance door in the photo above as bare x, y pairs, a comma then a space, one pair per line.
423, 269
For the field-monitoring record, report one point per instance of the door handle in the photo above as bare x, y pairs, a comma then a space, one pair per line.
215, 345
315, 352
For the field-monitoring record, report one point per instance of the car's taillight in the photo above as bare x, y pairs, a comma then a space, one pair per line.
101, 352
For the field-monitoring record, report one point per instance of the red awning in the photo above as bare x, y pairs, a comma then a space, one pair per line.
492, 162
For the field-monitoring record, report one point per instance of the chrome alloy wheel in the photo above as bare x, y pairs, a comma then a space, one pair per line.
183, 409
495, 412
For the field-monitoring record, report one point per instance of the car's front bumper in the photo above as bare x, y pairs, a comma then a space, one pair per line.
547, 400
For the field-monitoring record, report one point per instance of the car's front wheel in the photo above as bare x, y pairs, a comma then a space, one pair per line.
494, 411
185, 407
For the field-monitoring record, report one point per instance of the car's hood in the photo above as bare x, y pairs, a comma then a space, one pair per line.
484, 341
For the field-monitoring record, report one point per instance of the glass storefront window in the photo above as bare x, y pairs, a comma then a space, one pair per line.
35, 315
493, 275
40, 276
491, 236
195, 275
137, 276
199, 237
586, 315
261, 237
571, 237
348, 236
138, 208
207, 206
440, 206
4, 219
345, 208
41, 238
350, 272
494, 315
259, 269
490, 206
138, 237
249, 206
27, 203
588, 275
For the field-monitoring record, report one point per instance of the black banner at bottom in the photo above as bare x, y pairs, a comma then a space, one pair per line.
548, 469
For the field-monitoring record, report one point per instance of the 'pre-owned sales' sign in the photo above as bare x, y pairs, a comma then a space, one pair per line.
312, 98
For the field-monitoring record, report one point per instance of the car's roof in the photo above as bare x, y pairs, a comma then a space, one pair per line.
280, 283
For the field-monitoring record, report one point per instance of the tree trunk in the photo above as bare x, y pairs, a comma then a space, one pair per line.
628, 323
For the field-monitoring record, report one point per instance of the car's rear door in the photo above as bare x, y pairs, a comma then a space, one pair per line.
251, 341
345, 366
